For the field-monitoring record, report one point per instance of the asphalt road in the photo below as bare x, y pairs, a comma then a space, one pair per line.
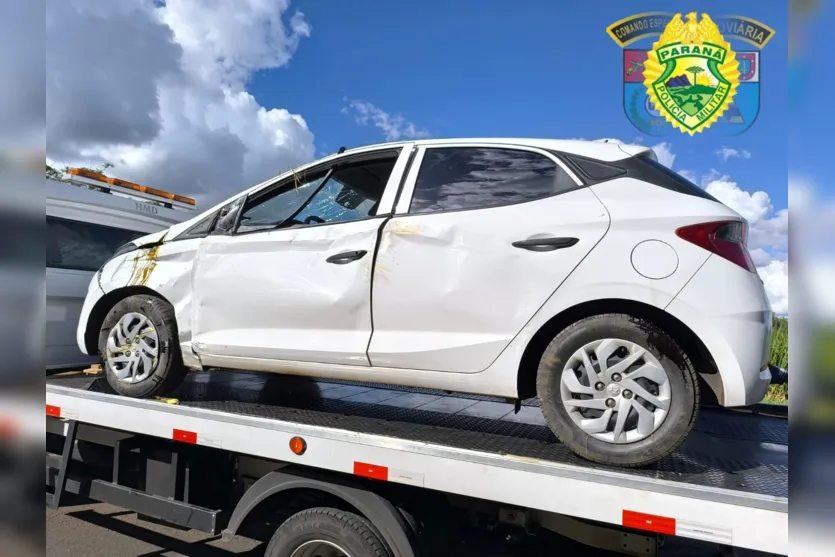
101, 530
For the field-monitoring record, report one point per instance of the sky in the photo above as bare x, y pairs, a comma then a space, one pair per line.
205, 98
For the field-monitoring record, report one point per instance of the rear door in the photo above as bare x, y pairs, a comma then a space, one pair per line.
482, 235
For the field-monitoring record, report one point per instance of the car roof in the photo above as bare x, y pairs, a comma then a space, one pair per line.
601, 149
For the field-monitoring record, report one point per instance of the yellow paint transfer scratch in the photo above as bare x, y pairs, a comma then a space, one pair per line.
144, 263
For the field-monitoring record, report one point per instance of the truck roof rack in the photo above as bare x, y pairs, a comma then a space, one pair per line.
107, 184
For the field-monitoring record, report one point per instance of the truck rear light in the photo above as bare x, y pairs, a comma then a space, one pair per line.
727, 239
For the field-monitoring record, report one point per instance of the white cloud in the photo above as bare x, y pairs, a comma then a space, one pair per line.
688, 174
760, 257
768, 228
752, 206
726, 153
169, 106
775, 278
394, 127
664, 153
768, 239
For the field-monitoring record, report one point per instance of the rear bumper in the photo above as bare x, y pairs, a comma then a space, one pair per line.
728, 309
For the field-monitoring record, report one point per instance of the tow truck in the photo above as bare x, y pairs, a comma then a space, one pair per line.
232, 451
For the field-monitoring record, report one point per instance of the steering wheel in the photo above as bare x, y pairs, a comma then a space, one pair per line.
313, 218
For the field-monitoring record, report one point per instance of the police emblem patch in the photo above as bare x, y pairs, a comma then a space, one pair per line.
704, 97
691, 73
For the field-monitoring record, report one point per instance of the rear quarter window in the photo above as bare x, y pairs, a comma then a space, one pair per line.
664, 177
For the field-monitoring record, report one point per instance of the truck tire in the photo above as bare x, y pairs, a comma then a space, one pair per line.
139, 347
639, 403
326, 532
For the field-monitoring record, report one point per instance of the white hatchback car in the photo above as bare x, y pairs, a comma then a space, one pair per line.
584, 273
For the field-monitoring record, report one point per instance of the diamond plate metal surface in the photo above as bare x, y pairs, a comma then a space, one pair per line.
731, 450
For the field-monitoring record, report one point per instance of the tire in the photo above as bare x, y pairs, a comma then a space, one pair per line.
681, 391
168, 371
347, 531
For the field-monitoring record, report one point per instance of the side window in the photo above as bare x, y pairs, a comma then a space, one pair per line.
478, 177
81, 245
351, 192
273, 210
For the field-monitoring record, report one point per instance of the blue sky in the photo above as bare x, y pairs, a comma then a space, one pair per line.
218, 96
477, 68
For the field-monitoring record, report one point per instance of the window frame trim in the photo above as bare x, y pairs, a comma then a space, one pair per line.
186, 235
405, 199
401, 150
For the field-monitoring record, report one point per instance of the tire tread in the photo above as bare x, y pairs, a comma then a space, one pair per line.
549, 397
360, 527
165, 378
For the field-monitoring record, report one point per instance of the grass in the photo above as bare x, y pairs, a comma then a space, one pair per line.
779, 394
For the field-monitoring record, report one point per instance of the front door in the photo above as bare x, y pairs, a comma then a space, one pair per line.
292, 280
482, 237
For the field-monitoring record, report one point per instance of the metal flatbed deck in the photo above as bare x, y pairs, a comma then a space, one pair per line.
728, 483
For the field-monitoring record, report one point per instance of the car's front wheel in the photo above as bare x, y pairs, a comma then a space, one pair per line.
139, 348
617, 390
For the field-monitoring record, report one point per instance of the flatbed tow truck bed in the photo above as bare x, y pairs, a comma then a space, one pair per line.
727, 485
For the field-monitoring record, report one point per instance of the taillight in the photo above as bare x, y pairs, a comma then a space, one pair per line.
727, 239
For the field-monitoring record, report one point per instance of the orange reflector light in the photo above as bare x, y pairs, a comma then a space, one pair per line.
298, 445
130, 185
87, 174
160, 193
184, 199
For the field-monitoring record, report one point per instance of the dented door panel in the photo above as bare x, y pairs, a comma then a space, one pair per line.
450, 290
273, 295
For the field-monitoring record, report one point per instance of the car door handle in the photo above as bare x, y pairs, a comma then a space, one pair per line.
545, 244
346, 257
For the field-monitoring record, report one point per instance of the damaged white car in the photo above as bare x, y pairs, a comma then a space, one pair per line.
584, 273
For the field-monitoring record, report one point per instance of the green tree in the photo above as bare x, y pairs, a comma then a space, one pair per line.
695, 70
53, 174
58, 175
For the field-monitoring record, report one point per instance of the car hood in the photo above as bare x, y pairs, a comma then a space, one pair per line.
153, 238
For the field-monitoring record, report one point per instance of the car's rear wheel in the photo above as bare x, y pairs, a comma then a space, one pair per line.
617, 390
139, 348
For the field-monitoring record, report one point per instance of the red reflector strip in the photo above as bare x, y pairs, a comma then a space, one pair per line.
649, 522
53, 411
185, 436
371, 471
